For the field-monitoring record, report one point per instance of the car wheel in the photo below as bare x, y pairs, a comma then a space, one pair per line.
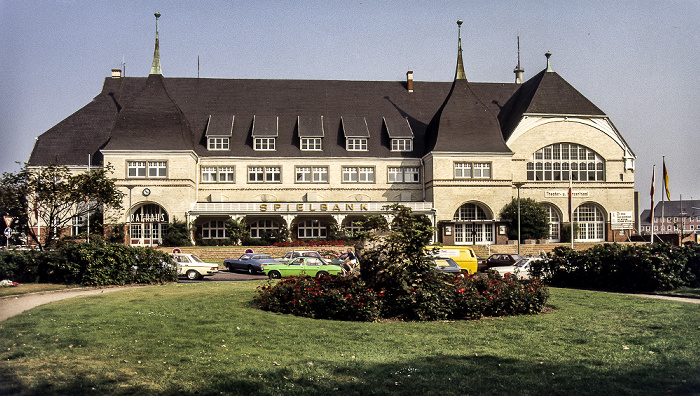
251, 270
192, 275
322, 274
274, 275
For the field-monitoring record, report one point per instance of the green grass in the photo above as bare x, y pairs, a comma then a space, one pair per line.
205, 338
26, 288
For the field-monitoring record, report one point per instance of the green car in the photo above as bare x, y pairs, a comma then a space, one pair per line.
310, 266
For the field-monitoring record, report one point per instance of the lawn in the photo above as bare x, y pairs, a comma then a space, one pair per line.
205, 338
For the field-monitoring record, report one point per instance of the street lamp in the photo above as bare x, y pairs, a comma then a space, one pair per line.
518, 185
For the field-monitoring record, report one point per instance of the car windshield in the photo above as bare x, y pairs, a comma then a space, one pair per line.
521, 262
261, 257
196, 259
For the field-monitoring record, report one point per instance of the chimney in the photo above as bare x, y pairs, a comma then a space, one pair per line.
116, 73
409, 80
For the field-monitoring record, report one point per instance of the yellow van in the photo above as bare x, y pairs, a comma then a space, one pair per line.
463, 255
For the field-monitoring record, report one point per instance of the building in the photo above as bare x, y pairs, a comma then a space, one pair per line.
672, 217
312, 155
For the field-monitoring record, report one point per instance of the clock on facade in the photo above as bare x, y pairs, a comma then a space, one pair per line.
146, 192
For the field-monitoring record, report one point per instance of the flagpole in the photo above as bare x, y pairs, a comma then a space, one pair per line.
651, 216
663, 195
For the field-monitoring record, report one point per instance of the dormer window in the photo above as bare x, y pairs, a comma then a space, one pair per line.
219, 131
356, 144
311, 133
264, 132
401, 144
400, 133
356, 133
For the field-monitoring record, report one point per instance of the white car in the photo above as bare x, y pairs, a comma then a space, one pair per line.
520, 268
193, 267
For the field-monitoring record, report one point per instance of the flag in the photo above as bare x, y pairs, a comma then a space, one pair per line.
668, 192
651, 216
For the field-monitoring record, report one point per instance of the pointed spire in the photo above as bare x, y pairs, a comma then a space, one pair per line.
155, 67
518, 70
459, 74
549, 65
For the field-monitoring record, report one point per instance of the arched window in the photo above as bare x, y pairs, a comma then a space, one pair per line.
260, 227
312, 229
554, 223
472, 225
561, 161
591, 223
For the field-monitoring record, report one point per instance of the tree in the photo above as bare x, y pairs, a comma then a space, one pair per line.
177, 234
534, 219
46, 199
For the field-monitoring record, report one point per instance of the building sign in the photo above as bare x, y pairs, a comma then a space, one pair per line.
621, 220
565, 194
314, 207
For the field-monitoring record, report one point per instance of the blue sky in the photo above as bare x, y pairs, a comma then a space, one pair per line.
639, 61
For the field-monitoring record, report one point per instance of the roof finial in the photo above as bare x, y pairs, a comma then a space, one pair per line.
549, 65
518, 70
459, 74
155, 67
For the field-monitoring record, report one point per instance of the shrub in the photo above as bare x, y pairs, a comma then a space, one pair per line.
93, 264
339, 298
615, 267
440, 296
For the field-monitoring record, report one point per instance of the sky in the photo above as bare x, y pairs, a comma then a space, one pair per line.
638, 61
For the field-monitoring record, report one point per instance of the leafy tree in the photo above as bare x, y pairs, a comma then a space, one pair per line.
177, 234
534, 219
47, 198
236, 230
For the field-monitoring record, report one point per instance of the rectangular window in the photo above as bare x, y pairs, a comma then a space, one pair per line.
157, 169
356, 144
479, 170
354, 174
401, 144
311, 144
403, 175
265, 144
266, 174
136, 168
463, 170
226, 174
218, 143
209, 174
309, 174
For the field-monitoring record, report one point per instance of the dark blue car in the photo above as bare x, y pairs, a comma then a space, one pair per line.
253, 263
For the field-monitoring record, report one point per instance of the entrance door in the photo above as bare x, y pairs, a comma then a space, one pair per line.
148, 224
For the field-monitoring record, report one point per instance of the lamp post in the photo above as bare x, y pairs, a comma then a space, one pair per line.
128, 217
518, 185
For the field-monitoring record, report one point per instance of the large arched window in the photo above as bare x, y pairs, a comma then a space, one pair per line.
148, 224
472, 225
554, 223
561, 161
591, 223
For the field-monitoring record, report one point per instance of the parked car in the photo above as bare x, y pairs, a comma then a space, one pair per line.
311, 266
446, 265
289, 256
193, 267
251, 262
520, 268
499, 260
464, 256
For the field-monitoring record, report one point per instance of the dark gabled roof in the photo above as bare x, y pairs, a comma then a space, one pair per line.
464, 123
546, 93
157, 113
151, 121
